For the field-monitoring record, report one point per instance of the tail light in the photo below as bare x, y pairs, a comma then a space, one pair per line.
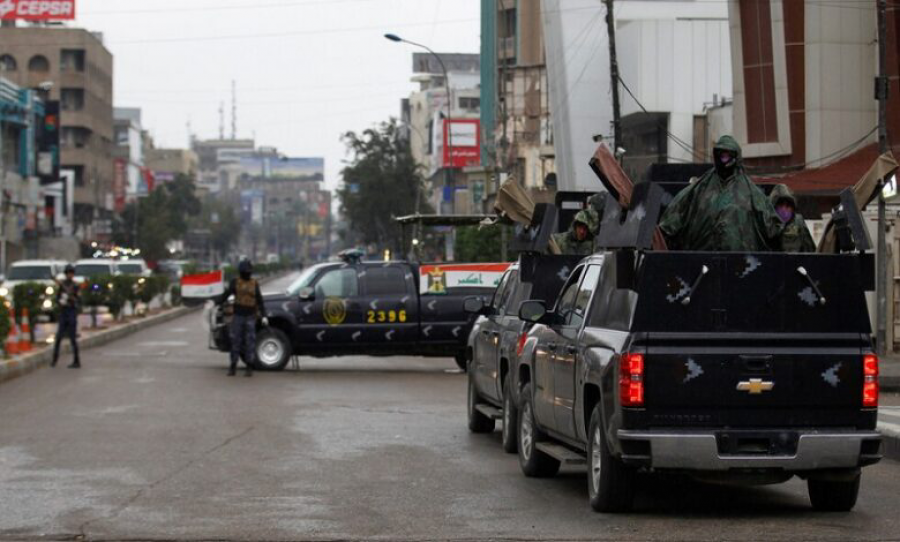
870, 381
631, 380
520, 344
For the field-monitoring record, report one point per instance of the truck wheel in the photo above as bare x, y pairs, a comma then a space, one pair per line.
510, 418
833, 495
273, 349
478, 422
610, 482
534, 463
461, 361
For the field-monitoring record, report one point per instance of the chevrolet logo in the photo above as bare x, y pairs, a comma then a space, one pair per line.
755, 386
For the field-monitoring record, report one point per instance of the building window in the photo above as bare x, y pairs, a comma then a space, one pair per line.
39, 63
72, 99
71, 60
8, 64
759, 71
73, 137
469, 103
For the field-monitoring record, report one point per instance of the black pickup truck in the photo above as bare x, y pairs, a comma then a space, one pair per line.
732, 367
371, 308
497, 335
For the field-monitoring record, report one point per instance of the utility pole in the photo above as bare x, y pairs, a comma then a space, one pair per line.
614, 75
233, 110
881, 93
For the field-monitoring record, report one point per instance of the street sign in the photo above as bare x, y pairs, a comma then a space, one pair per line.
37, 10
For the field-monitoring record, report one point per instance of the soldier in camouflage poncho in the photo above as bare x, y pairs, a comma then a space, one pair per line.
579, 240
723, 211
796, 237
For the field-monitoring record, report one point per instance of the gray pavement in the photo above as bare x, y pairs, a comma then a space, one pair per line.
152, 441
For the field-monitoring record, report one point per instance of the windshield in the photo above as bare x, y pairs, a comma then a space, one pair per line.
305, 279
131, 268
31, 272
92, 270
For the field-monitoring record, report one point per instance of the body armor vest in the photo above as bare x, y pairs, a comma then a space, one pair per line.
245, 293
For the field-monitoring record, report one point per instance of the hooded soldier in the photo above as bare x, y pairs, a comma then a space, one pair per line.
723, 210
796, 236
579, 239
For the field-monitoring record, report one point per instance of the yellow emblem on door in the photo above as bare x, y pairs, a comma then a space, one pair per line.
334, 310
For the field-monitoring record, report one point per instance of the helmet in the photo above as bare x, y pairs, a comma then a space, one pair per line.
69, 268
245, 267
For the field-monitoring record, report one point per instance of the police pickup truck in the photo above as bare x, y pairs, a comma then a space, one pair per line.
732, 367
371, 308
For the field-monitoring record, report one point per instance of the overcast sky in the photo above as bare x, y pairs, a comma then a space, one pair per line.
306, 70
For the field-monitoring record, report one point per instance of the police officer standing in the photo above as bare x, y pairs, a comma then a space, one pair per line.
67, 299
248, 305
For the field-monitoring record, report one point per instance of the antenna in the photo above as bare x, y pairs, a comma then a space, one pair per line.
189, 134
221, 120
233, 110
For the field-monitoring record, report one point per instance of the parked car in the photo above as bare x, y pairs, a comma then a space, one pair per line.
44, 272
496, 336
137, 267
365, 308
94, 267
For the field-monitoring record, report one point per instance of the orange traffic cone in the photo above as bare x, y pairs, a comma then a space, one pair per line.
12, 340
25, 337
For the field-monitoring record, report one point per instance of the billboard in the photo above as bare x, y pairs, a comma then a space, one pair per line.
272, 167
464, 136
37, 10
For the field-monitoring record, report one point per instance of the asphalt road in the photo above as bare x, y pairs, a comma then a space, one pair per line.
150, 440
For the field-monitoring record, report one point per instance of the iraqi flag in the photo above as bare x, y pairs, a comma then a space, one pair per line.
202, 286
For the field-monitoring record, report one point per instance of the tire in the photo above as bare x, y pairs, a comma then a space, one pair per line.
833, 495
461, 361
510, 428
534, 463
273, 350
610, 482
478, 422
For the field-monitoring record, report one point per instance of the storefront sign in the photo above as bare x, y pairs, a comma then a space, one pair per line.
37, 10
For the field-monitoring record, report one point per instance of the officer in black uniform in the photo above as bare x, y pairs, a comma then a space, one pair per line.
67, 299
248, 305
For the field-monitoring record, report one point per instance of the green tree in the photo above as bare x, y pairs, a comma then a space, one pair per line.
381, 182
479, 245
161, 216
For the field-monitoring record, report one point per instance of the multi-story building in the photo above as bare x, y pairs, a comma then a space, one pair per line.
77, 69
21, 203
128, 154
166, 164
448, 152
517, 132
219, 162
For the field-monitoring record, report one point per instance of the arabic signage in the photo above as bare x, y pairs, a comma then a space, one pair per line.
465, 143
37, 10
120, 184
435, 279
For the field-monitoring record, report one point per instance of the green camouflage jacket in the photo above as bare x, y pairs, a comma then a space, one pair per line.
796, 236
567, 242
717, 214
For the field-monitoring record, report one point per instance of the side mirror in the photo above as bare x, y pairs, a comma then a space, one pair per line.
473, 305
306, 294
532, 311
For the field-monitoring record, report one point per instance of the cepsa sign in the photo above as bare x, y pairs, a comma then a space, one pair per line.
37, 10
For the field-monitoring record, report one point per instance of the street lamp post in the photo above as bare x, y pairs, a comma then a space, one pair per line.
448, 169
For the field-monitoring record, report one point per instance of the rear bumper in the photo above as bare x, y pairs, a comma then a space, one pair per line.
702, 450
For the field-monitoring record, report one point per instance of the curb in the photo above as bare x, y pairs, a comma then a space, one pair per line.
891, 440
22, 365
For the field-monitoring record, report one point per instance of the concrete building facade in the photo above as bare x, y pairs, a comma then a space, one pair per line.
80, 69
518, 135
